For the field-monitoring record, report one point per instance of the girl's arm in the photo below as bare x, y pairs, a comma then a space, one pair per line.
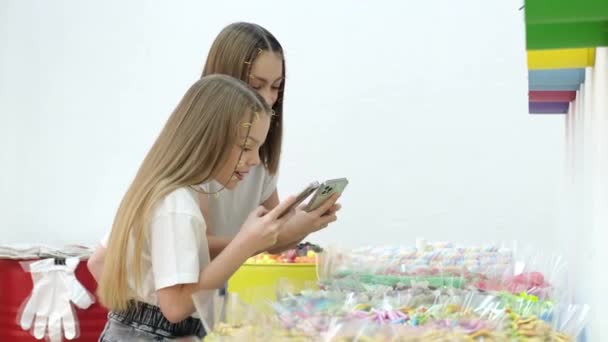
217, 244
259, 231
176, 301
95, 262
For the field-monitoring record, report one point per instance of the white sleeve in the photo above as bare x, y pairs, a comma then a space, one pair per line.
270, 185
174, 249
104, 240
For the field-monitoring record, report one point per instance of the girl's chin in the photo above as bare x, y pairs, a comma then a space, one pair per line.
231, 183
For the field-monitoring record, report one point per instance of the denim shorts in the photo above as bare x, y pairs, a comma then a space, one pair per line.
145, 322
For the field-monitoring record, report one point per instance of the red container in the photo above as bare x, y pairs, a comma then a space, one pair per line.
16, 287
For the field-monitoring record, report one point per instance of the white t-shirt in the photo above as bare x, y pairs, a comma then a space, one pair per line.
176, 249
229, 208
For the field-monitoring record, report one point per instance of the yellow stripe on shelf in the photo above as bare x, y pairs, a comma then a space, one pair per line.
561, 58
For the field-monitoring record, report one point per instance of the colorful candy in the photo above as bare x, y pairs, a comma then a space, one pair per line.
433, 292
304, 253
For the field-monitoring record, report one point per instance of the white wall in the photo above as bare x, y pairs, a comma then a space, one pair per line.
421, 104
586, 192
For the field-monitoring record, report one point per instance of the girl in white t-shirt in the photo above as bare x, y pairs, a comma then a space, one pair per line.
157, 253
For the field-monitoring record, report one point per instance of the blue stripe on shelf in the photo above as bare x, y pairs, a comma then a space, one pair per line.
556, 79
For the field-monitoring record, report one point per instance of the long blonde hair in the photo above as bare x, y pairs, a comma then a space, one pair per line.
233, 53
192, 147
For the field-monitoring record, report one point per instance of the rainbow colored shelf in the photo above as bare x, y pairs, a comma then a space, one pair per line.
561, 37
551, 90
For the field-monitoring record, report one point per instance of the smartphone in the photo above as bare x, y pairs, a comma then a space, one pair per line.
301, 197
324, 191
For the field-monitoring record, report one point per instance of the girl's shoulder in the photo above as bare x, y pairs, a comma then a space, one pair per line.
182, 201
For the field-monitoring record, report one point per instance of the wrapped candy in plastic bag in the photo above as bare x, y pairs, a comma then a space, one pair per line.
533, 273
286, 287
527, 317
354, 331
309, 312
424, 313
221, 314
227, 318
435, 293
441, 265
532, 327
368, 331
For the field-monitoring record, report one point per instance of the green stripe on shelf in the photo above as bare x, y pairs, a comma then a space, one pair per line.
571, 35
565, 11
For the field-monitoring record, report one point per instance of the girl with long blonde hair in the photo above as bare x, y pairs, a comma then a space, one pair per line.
157, 252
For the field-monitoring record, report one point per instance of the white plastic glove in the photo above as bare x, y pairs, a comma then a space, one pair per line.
55, 287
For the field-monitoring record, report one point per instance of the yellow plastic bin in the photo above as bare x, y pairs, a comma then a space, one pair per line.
257, 282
